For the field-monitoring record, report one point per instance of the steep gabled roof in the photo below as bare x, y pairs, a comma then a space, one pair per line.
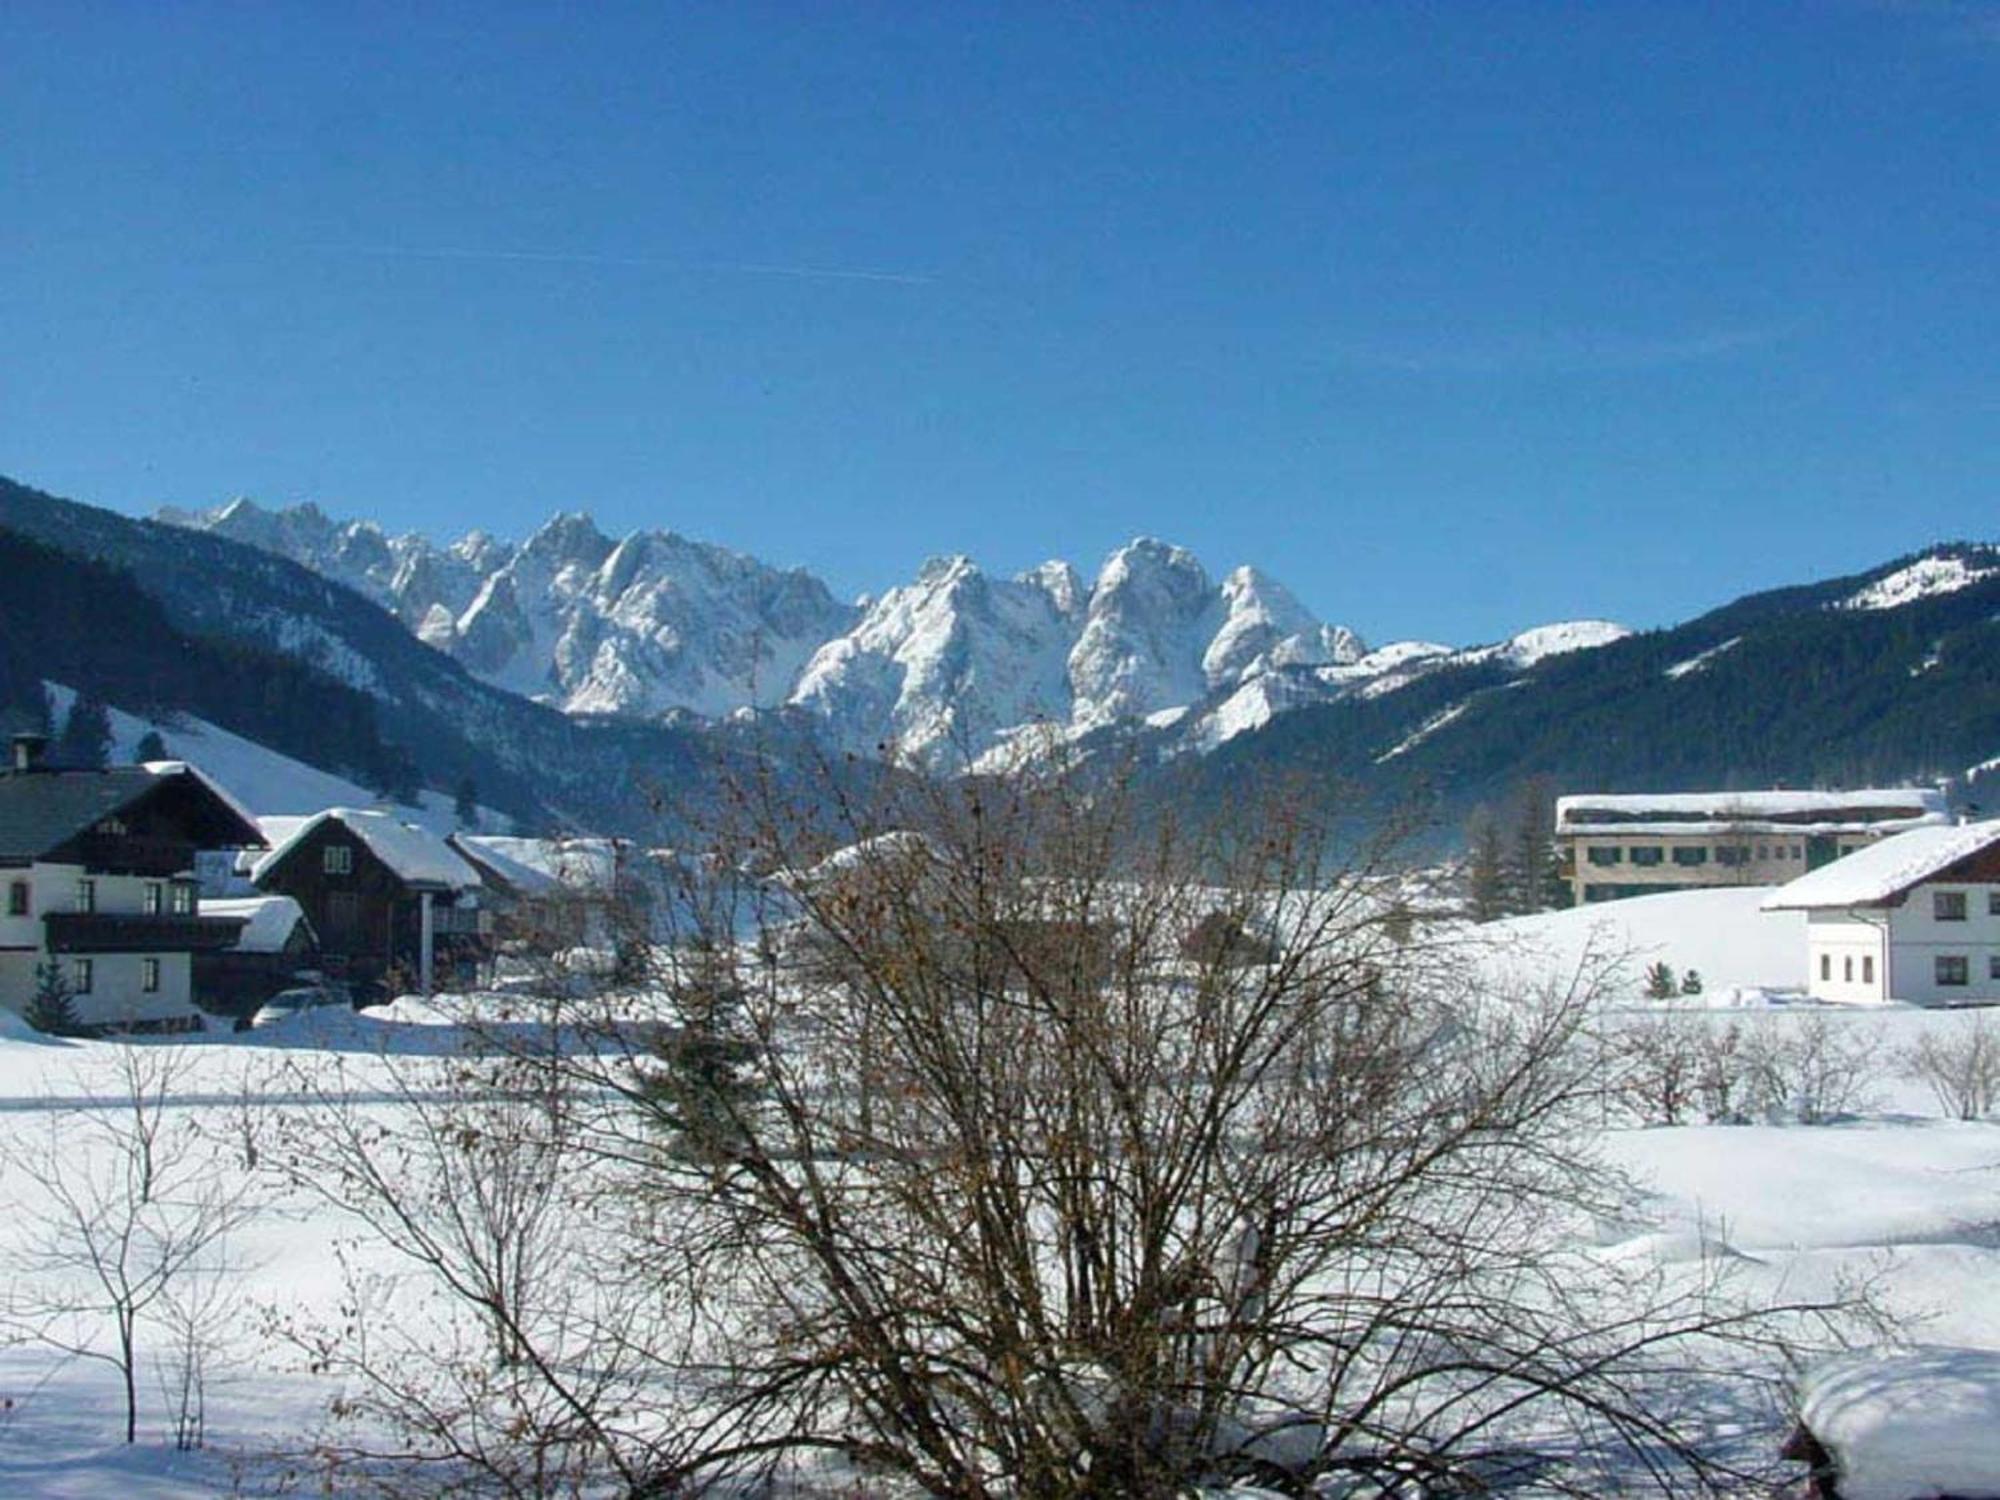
41, 810
416, 856
1882, 872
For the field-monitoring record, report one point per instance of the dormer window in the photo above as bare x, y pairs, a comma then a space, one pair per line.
337, 859
86, 895
114, 826
183, 900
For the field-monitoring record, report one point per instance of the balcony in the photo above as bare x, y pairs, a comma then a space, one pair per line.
134, 932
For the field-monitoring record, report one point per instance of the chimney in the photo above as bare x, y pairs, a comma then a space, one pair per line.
28, 750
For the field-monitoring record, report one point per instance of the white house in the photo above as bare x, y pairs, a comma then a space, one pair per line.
97, 869
1915, 917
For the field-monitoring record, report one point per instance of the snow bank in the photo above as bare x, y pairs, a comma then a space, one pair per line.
1907, 1423
1722, 934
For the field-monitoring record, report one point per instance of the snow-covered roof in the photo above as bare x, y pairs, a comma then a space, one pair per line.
1881, 872
268, 920
1870, 809
1907, 1422
416, 855
576, 864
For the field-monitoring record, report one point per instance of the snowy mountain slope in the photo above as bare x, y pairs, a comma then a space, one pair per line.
1786, 688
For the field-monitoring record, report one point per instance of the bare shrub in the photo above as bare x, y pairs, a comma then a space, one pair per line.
1960, 1061
1662, 1067
127, 1224
1809, 1068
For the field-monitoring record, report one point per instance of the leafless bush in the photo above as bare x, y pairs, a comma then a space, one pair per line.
1659, 1060
1674, 1066
1960, 1061
128, 1215
1810, 1069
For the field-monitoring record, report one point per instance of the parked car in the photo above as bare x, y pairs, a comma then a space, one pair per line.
297, 1001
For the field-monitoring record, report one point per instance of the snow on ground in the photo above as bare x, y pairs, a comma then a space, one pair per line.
1721, 934
1544, 641
1920, 1421
1920, 580
1701, 658
1894, 1196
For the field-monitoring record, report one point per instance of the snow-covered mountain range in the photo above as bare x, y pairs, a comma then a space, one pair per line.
956, 665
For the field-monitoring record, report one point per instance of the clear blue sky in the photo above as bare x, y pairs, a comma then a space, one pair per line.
1453, 317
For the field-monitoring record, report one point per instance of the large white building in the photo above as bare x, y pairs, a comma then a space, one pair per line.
1618, 845
1915, 917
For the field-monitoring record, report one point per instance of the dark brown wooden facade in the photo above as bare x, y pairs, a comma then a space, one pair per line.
369, 918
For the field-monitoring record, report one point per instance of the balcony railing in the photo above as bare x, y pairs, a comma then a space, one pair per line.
134, 932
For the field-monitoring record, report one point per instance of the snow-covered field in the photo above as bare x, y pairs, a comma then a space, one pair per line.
1893, 1197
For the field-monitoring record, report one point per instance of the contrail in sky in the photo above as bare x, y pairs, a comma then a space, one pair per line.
644, 262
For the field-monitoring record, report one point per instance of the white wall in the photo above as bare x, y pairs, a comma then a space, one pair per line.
117, 990
1846, 947
1920, 939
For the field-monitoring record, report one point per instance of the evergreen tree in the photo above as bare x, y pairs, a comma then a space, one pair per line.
1532, 878
151, 747
1485, 880
465, 802
705, 1085
52, 1007
86, 735
1660, 982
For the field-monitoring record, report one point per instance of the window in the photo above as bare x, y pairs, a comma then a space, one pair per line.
1847, 969
1691, 856
1728, 854
152, 898
1798, 851
1952, 969
1867, 968
17, 899
86, 895
1948, 906
149, 975
1993, 903
338, 859
1648, 854
1603, 856
81, 972
1763, 851
1826, 967
183, 900
1993, 966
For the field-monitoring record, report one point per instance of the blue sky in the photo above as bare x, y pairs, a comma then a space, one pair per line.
1453, 317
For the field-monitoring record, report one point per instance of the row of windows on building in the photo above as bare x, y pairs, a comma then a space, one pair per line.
83, 975
1948, 969
159, 897
1951, 906
1604, 855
